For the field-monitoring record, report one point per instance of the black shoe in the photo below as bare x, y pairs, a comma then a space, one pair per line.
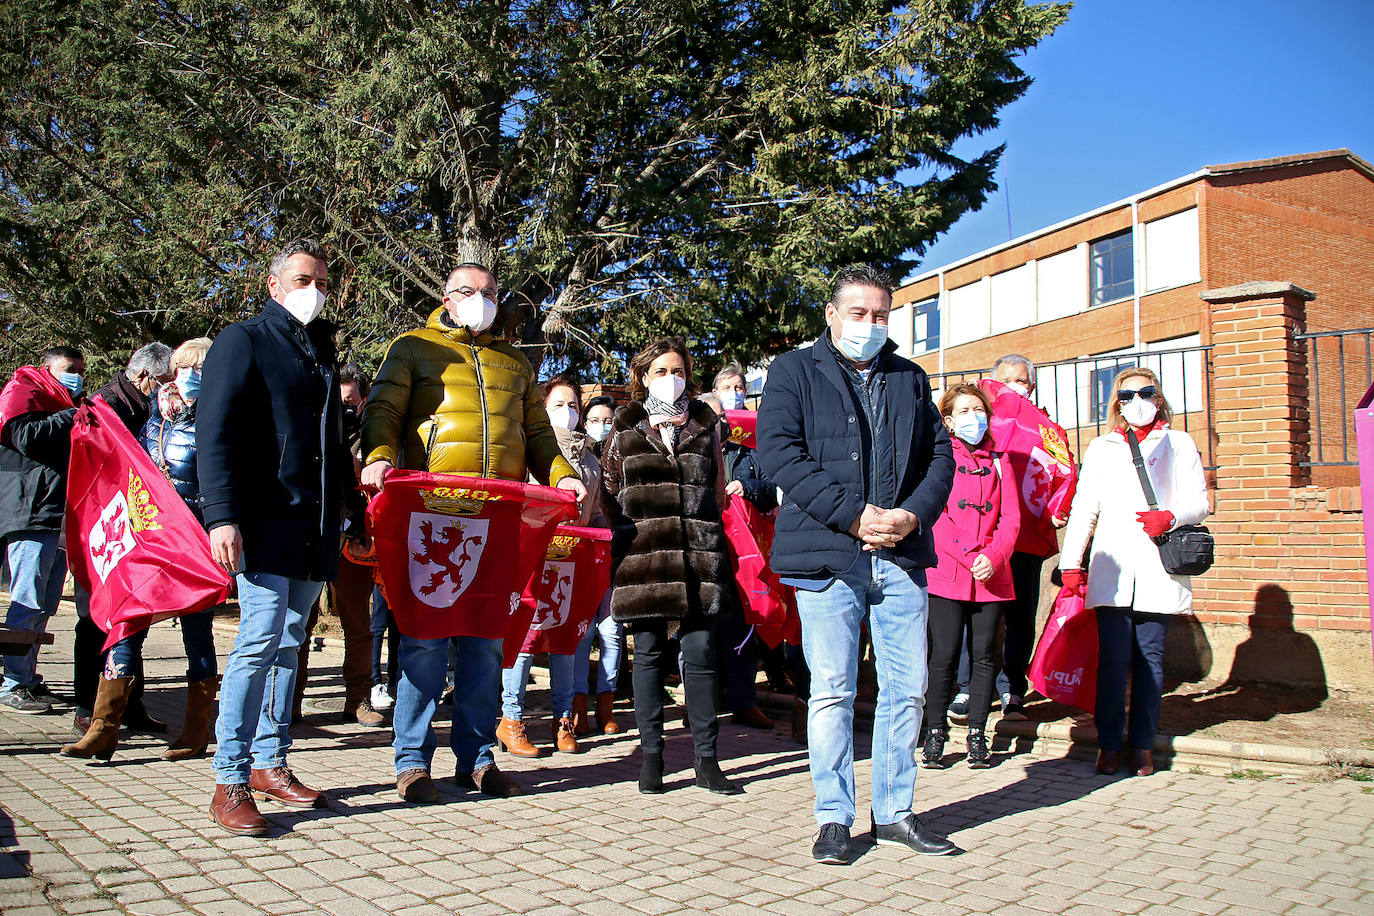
914, 835
1013, 710
832, 845
651, 774
978, 756
933, 753
710, 777
958, 710
137, 719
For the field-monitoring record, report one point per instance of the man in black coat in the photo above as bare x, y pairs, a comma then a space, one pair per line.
39, 410
274, 474
848, 431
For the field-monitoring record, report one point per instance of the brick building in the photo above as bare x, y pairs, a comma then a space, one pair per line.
1249, 288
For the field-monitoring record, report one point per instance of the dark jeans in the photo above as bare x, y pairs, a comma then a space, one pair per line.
946, 622
383, 625
739, 669
652, 663
348, 599
1129, 643
797, 670
1019, 642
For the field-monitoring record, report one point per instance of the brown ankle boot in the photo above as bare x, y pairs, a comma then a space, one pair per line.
510, 734
605, 713
233, 809
581, 724
197, 724
565, 737
101, 739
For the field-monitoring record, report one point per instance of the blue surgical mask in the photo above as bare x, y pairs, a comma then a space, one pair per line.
861, 340
731, 400
971, 427
71, 381
598, 431
188, 383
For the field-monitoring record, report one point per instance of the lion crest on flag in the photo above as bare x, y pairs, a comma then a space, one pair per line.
444, 555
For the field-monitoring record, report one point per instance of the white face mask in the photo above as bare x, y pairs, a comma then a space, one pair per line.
971, 427
861, 340
731, 400
667, 388
1020, 388
476, 312
564, 417
598, 430
304, 303
1140, 412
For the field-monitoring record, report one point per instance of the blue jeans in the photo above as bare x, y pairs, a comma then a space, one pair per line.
260, 675
197, 636
38, 567
384, 627
895, 604
476, 701
1129, 642
516, 678
612, 636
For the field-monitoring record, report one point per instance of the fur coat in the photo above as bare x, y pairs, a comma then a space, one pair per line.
668, 540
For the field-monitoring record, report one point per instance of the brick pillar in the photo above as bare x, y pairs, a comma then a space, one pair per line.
1260, 430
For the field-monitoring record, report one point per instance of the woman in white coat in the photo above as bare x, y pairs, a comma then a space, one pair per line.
1125, 581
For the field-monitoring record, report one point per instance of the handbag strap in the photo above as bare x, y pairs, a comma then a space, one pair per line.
1139, 461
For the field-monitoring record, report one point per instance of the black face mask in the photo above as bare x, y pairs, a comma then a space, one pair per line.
351, 423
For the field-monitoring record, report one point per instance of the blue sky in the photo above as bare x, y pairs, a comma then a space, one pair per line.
1129, 94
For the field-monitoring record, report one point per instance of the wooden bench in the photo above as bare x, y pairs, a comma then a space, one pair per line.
14, 641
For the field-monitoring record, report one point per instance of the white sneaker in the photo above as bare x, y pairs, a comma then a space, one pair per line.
958, 710
380, 698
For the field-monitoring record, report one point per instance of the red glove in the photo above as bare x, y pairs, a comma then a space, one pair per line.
1075, 580
1156, 522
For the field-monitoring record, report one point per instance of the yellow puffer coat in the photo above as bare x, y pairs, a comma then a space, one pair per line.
450, 403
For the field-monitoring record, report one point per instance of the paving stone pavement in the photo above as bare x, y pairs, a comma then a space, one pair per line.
1042, 835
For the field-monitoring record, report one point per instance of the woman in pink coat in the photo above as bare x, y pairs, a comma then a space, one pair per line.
974, 539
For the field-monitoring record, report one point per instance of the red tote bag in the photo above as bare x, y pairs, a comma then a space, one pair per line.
1064, 668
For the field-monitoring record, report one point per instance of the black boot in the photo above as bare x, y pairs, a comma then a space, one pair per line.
979, 757
710, 777
651, 774
933, 752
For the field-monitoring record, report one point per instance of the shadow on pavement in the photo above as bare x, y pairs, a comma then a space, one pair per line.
1047, 784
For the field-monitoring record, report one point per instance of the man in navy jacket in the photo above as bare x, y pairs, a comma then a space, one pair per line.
274, 474
848, 431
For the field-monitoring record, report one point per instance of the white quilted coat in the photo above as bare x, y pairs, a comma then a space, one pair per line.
1125, 569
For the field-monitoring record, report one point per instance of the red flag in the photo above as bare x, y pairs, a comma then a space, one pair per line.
744, 425
32, 389
769, 605
1040, 461
454, 554
563, 599
131, 541
1065, 664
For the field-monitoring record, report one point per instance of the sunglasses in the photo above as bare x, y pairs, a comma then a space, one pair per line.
1126, 395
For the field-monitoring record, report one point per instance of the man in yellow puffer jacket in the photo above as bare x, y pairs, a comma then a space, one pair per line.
451, 398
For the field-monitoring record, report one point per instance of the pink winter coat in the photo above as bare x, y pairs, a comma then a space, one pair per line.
982, 516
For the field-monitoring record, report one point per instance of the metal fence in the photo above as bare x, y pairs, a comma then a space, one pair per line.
1338, 369
1075, 392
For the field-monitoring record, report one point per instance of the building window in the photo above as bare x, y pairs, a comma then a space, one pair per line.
1113, 268
1104, 372
926, 334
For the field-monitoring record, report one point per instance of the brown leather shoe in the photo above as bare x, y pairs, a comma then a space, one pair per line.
233, 809
489, 780
416, 786
581, 724
1108, 762
564, 738
752, 717
605, 713
361, 711
1142, 763
280, 784
510, 734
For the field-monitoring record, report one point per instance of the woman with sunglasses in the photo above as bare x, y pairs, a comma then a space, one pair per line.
1134, 596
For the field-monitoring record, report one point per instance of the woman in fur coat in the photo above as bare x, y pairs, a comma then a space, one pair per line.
664, 483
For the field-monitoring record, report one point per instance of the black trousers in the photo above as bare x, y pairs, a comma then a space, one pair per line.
1019, 642
945, 623
653, 661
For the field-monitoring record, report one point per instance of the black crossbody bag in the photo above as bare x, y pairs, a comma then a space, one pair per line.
1188, 550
